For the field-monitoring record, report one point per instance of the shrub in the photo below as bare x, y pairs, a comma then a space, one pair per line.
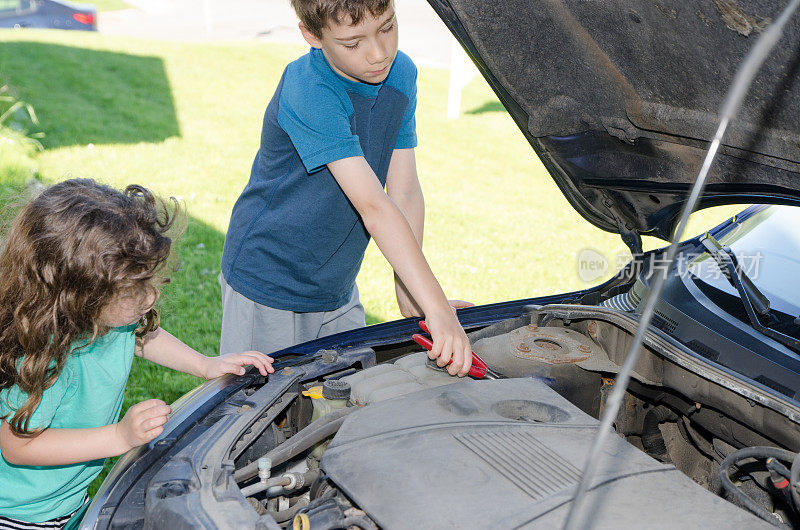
19, 139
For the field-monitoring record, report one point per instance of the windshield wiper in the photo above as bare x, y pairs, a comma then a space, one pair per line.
755, 303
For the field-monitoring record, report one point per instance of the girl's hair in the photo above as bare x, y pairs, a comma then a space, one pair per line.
68, 253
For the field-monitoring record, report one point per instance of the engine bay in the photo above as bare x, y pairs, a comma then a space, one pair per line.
403, 445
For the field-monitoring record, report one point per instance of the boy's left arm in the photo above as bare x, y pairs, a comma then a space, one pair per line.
163, 348
402, 186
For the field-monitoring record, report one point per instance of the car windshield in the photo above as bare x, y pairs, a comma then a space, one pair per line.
767, 245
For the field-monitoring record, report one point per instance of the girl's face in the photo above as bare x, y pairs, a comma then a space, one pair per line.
127, 308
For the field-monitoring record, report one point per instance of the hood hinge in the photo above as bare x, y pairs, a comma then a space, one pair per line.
631, 238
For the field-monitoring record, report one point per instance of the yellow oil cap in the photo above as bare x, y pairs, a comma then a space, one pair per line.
315, 392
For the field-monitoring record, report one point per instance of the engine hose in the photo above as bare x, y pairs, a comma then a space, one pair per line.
310, 477
312, 434
701, 444
774, 465
285, 515
261, 486
301, 522
652, 440
794, 481
287, 481
754, 452
358, 521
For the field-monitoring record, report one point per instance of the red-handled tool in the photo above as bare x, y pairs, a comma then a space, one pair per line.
478, 370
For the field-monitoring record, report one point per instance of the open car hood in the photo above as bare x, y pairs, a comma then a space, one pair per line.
619, 99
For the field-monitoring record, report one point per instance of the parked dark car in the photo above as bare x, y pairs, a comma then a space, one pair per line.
47, 14
619, 99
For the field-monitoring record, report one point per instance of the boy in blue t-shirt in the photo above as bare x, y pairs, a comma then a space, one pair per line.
339, 129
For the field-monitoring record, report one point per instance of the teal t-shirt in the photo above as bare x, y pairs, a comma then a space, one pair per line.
88, 393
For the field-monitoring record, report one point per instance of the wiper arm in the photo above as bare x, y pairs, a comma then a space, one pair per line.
729, 265
754, 301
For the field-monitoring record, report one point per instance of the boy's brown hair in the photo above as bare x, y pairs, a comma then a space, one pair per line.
316, 14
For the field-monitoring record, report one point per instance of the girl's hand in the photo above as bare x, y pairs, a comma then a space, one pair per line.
141, 423
449, 342
234, 363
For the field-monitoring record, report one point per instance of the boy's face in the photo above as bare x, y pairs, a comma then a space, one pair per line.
363, 52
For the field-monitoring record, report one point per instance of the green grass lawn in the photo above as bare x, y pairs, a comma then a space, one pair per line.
109, 5
184, 120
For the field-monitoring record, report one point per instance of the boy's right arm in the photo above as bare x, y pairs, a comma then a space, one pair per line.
394, 237
56, 447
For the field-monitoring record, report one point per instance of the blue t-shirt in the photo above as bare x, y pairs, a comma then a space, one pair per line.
295, 241
88, 393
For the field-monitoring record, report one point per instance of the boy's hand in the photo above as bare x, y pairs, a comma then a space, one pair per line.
234, 363
458, 304
141, 423
409, 308
449, 342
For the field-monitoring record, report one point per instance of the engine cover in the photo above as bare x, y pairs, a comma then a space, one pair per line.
505, 454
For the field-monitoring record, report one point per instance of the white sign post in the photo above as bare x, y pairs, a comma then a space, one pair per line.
461, 73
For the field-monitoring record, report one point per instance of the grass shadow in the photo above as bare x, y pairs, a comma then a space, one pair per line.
488, 106
85, 96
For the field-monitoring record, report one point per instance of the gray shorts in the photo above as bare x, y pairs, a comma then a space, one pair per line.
247, 325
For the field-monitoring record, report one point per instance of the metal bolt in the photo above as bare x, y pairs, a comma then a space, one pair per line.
593, 329
523, 348
329, 356
533, 327
583, 348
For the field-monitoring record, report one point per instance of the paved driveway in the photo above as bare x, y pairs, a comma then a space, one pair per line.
422, 35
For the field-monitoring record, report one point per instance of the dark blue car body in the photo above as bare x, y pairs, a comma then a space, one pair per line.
47, 14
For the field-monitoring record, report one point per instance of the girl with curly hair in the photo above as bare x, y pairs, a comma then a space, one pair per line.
80, 272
